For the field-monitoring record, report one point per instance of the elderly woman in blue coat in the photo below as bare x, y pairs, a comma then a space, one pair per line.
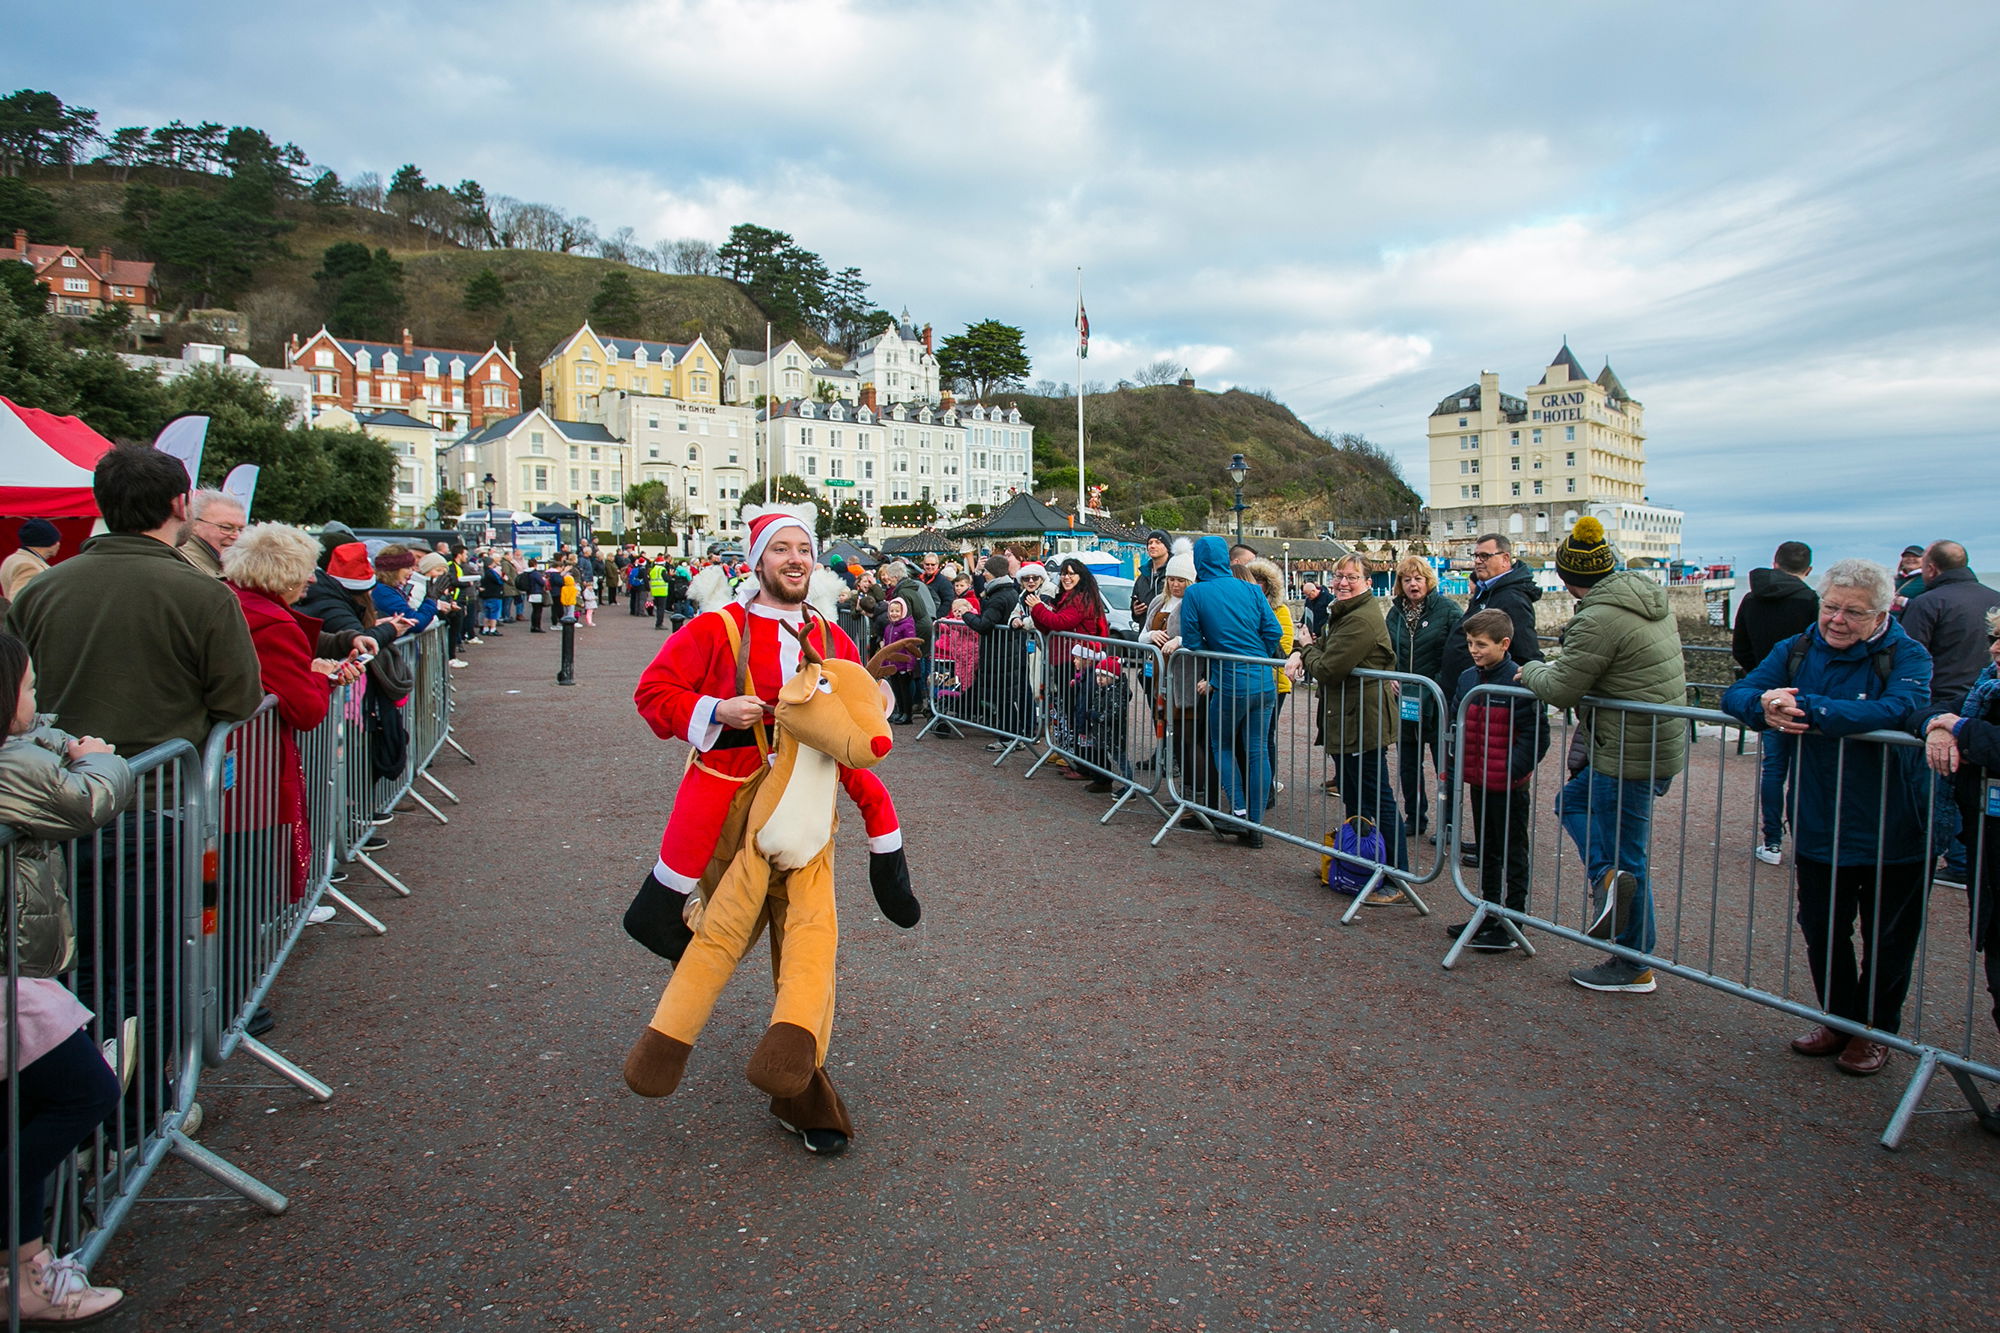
1862, 806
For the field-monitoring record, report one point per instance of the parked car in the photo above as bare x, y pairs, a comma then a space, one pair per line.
726, 551
1117, 591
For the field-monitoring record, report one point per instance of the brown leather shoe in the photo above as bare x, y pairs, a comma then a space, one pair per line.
1820, 1041
1863, 1058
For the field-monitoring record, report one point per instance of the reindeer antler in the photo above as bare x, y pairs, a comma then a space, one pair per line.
806, 651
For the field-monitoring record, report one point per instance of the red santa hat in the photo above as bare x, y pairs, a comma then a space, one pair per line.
766, 521
350, 568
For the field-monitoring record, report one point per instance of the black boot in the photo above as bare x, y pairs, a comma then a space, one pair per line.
656, 919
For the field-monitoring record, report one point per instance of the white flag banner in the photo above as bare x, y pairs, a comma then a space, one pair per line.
183, 437
241, 486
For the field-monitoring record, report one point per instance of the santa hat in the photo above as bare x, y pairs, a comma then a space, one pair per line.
1033, 570
766, 521
349, 566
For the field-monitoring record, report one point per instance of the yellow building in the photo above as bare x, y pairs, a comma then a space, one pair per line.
587, 363
1529, 467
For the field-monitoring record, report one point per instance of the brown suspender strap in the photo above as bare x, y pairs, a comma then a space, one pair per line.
739, 643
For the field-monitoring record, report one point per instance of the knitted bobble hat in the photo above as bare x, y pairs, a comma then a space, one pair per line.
1585, 557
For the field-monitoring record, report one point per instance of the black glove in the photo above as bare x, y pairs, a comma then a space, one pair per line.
889, 875
656, 920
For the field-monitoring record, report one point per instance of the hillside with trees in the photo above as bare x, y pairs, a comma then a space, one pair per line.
1160, 452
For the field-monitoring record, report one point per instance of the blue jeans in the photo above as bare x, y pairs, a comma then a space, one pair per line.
1775, 766
1611, 822
1240, 724
1365, 791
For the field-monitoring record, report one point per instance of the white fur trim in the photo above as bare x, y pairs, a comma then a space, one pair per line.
823, 592
886, 842
674, 879
709, 589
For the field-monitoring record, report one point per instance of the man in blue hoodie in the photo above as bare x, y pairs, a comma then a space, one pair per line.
1221, 613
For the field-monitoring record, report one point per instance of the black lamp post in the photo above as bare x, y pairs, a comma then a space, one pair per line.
1238, 470
489, 481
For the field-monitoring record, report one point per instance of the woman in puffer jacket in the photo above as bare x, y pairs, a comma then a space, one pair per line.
53, 787
1420, 619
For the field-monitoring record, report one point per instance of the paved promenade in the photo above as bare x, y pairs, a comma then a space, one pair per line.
1101, 1087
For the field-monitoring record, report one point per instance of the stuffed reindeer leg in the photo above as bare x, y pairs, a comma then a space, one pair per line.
730, 922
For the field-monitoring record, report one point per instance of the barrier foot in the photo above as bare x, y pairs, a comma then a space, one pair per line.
226, 1173
1920, 1082
466, 755
1988, 1117
1361, 898
1471, 929
375, 867
1131, 790
285, 1069
434, 812
1173, 819
935, 722
449, 794
354, 909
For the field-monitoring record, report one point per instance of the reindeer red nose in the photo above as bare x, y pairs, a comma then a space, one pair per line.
881, 745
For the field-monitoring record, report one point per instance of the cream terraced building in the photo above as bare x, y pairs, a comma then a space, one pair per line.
1530, 466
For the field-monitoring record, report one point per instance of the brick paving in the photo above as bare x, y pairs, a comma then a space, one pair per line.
1102, 1086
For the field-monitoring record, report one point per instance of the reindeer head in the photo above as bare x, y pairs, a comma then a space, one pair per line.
834, 707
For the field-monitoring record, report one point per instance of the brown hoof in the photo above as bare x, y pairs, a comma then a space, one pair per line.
783, 1063
655, 1064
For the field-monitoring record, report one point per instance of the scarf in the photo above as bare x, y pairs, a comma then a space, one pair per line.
1985, 692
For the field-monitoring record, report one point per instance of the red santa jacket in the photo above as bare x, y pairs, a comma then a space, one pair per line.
696, 669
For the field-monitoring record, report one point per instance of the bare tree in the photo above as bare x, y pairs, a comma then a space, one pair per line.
1163, 371
620, 247
690, 256
365, 190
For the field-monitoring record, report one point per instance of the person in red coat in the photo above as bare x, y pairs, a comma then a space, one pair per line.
270, 567
714, 684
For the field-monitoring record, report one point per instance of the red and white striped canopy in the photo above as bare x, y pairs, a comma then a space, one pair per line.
45, 463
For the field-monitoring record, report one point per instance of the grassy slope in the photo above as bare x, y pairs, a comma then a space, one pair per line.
1156, 443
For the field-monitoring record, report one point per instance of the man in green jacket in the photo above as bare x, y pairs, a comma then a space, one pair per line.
130, 641
1621, 645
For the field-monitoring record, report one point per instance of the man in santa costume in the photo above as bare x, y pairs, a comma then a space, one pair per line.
691, 692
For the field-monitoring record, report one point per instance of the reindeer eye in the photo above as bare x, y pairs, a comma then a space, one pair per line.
825, 685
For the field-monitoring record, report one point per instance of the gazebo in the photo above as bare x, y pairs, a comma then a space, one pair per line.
849, 553
45, 471
1022, 516
928, 542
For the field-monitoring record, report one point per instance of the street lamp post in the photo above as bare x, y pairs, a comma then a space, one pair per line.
1238, 470
1287, 548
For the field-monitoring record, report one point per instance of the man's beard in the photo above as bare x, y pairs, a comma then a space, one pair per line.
771, 584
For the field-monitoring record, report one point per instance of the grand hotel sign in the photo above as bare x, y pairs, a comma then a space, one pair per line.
1560, 407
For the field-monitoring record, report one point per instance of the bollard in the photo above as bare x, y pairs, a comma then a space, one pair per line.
567, 676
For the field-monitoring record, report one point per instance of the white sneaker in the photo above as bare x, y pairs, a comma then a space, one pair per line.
1771, 854
460, 662
122, 1051
320, 915
57, 1292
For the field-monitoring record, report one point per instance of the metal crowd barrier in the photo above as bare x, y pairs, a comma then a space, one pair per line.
988, 682
137, 888
1719, 916
186, 907
1099, 714
1318, 777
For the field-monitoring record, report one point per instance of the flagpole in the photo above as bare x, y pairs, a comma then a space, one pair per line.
770, 387
1080, 336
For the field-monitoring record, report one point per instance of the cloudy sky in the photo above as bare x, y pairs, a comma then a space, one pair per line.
1779, 220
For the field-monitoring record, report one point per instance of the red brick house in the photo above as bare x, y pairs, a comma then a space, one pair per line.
81, 284
453, 389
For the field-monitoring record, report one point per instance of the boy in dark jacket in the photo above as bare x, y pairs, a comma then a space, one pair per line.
1503, 739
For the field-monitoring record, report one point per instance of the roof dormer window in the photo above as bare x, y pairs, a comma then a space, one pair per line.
430, 367
362, 361
388, 363
457, 368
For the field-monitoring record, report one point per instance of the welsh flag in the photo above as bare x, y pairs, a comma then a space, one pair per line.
1082, 330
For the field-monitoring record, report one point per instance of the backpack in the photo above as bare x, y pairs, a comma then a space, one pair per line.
1883, 659
1356, 836
636, 577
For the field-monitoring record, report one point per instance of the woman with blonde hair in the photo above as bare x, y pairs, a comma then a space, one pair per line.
268, 568
1420, 620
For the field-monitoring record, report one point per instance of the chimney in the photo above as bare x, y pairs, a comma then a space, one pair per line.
946, 402
927, 337
104, 262
868, 395
408, 348
21, 239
